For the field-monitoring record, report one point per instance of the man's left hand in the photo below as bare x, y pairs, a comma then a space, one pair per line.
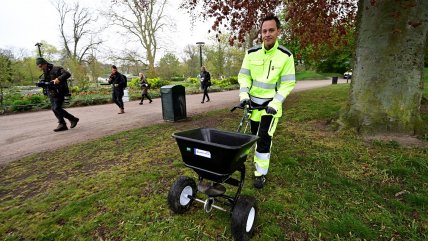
55, 81
270, 110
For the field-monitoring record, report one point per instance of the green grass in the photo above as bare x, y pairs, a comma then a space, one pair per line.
322, 185
312, 75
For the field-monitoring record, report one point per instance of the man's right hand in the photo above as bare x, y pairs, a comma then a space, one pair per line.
244, 102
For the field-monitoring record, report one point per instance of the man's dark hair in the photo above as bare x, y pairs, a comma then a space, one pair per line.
271, 17
114, 67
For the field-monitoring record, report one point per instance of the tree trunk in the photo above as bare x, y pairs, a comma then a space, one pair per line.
387, 81
151, 72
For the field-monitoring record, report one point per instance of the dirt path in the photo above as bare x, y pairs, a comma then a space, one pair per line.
28, 133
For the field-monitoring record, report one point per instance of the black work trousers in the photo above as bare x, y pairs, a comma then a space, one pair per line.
262, 130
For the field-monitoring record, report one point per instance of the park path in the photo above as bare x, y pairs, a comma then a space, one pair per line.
27, 133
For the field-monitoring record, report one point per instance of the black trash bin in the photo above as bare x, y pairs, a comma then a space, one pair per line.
334, 80
173, 102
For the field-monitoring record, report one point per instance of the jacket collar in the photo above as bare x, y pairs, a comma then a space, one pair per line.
272, 49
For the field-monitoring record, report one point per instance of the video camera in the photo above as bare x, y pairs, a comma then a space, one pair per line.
46, 85
49, 86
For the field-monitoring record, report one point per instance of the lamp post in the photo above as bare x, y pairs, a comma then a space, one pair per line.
200, 51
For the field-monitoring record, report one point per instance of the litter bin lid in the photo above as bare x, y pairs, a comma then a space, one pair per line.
167, 88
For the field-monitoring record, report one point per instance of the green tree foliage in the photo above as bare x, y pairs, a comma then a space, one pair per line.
94, 67
233, 60
215, 57
25, 71
169, 66
79, 74
5, 71
222, 59
191, 64
49, 51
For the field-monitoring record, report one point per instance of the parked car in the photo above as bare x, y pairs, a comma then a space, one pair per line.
348, 74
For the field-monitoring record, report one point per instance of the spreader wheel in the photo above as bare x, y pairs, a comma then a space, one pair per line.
178, 195
244, 218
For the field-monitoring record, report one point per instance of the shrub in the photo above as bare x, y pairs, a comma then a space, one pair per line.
233, 80
156, 83
90, 100
177, 78
36, 99
21, 105
74, 89
226, 83
135, 82
193, 80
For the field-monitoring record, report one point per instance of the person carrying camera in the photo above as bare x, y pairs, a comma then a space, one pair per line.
55, 83
144, 88
118, 84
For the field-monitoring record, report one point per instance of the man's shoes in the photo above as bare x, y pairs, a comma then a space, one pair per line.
121, 111
259, 181
208, 100
150, 101
202, 102
61, 127
73, 123
141, 103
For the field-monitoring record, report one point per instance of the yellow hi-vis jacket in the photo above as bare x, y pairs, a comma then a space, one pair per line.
267, 74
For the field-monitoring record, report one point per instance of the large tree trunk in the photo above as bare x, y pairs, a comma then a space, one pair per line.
387, 79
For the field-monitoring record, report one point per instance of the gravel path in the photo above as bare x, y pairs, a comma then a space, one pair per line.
28, 133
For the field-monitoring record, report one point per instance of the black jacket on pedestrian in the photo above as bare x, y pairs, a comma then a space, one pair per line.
118, 84
205, 80
58, 93
206, 77
54, 72
117, 81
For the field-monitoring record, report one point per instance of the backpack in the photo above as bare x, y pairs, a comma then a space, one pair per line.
125, 81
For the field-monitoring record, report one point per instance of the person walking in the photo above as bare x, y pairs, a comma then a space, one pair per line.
205, 83
56, 88
266, 78
117, 81
144, 88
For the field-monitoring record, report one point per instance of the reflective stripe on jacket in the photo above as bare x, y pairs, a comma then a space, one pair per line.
267, 74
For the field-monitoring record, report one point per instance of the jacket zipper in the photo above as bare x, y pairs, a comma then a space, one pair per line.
270, 63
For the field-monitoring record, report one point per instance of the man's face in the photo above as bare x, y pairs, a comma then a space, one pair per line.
269, 33
42, 66
113, 71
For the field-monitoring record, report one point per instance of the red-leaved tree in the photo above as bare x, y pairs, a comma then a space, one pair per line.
387, 83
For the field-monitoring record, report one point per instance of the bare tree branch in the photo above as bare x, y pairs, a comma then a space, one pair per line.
83, 37
144, 23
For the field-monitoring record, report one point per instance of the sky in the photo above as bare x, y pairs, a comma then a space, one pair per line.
26, 22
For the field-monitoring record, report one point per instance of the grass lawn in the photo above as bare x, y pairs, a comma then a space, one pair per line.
322, 185
312, 75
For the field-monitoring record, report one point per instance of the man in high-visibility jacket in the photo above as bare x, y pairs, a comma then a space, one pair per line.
266, 78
